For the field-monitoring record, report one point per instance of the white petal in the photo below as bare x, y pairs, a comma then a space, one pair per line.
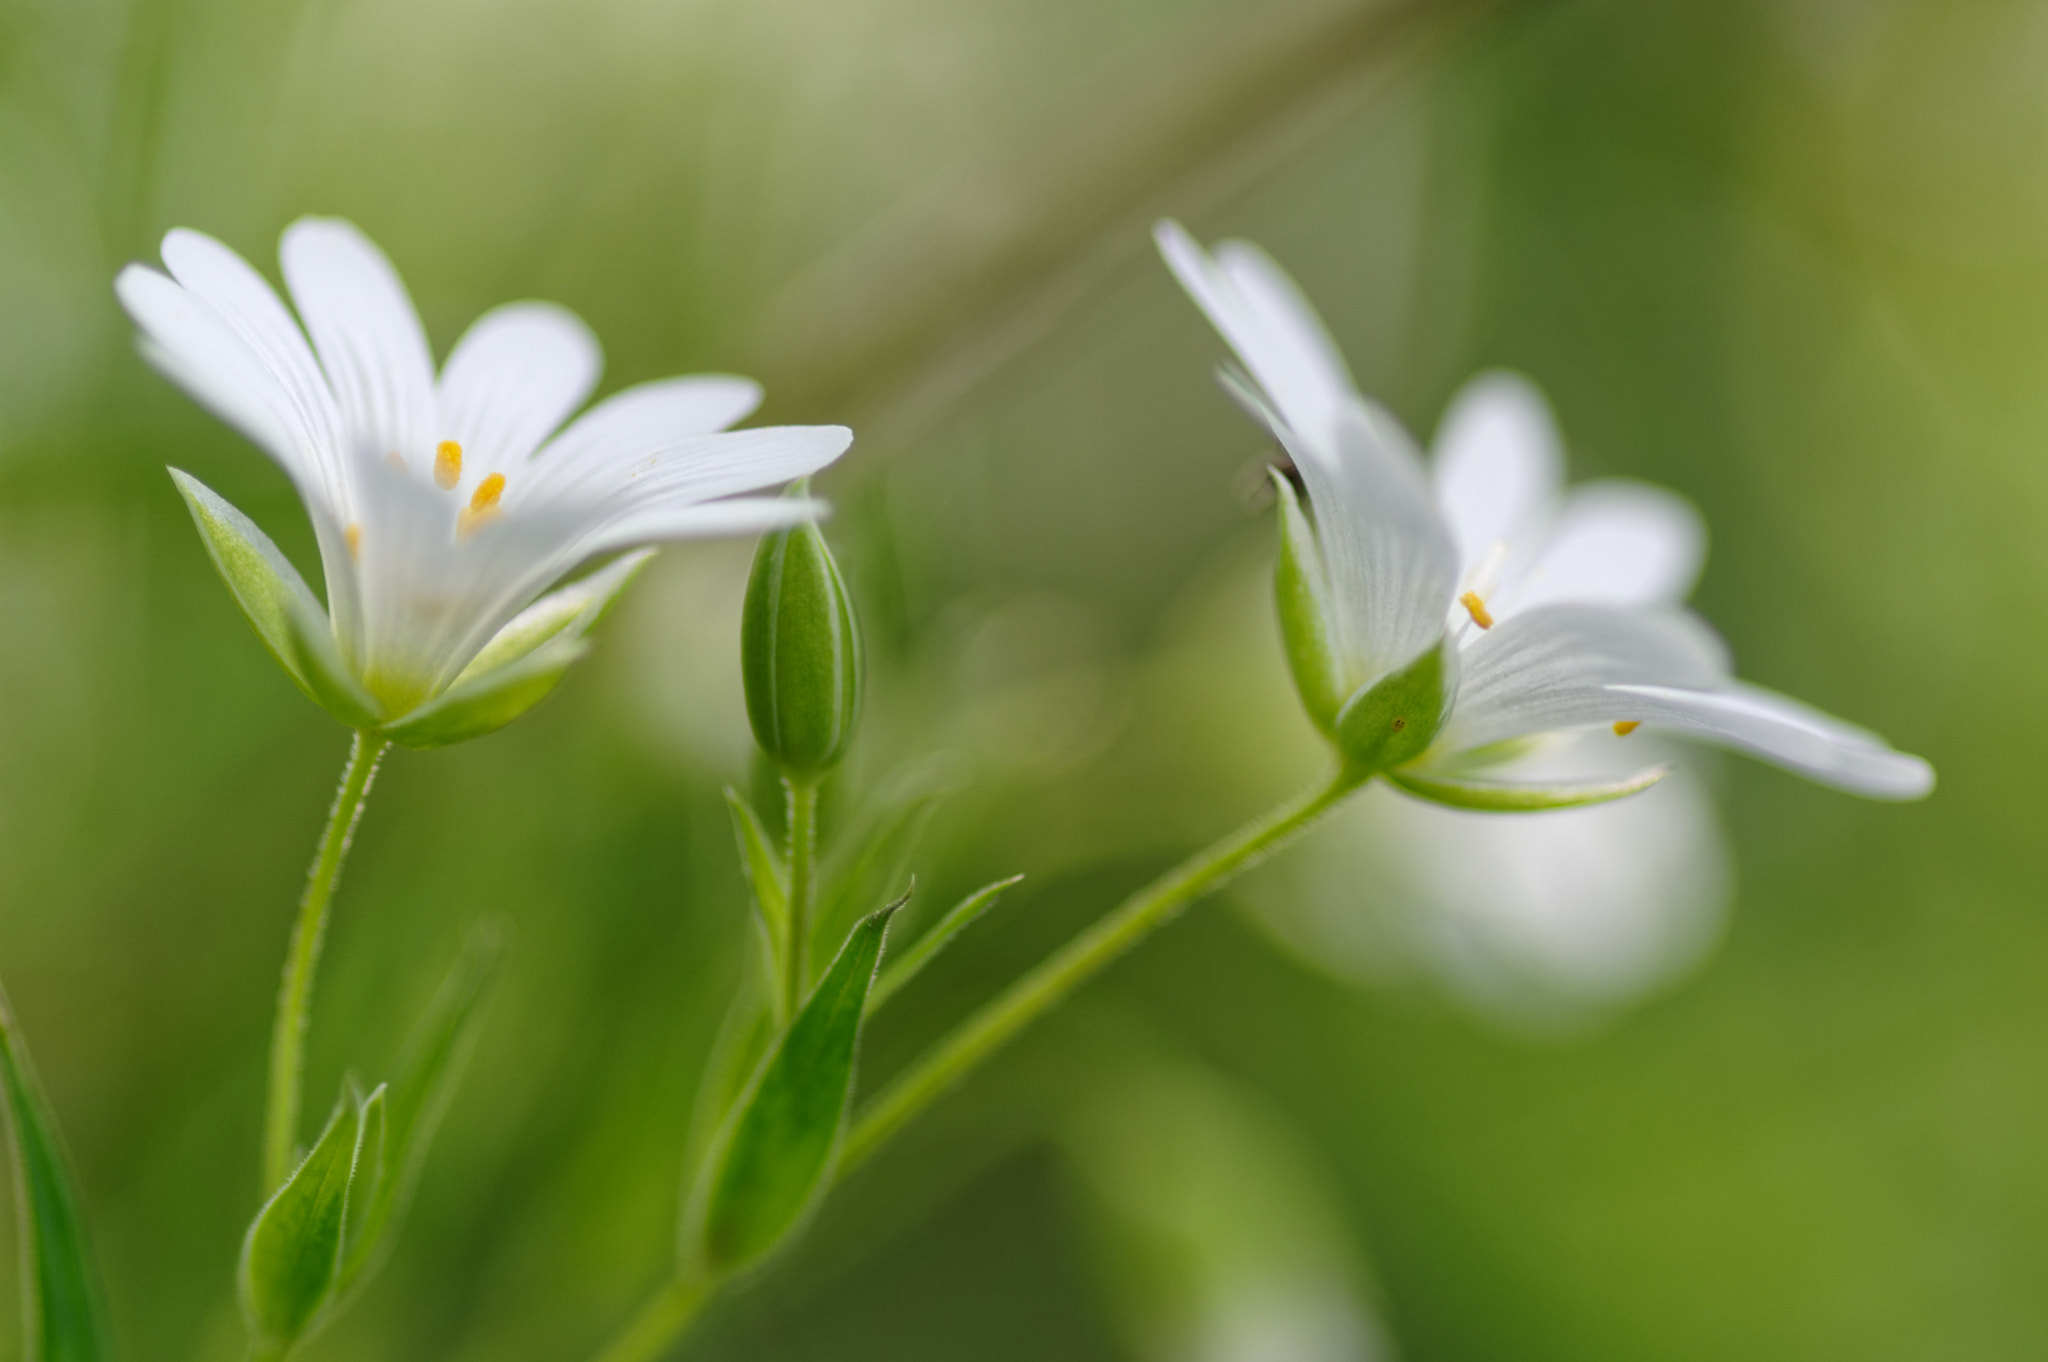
189, 344
1393, 568
704, 467
1273, 330
249, 309
515, 375
742, 515
1615, 543
1552, 669
640, 421
1498, 466
1566, 667
1787, 733
368, 336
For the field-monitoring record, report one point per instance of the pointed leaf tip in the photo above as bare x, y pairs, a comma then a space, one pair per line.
776, 1156
291, 1258
64, 1314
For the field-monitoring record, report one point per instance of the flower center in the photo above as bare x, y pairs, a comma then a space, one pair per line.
1476, 608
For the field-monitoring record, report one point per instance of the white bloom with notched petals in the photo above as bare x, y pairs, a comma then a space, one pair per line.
444, 504
1555, 612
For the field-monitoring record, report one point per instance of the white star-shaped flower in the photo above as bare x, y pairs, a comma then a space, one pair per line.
1475, 591
444, 505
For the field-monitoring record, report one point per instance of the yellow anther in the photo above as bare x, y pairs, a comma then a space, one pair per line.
1627, 726
354, 535
483, 503
1476, 608
447, 464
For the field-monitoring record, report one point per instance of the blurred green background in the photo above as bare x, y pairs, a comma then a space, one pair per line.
1787, 256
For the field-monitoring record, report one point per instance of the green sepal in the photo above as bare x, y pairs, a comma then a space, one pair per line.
486, 703
63, 1306
278, 604
765, 871
1500, 796
800, 651
961, 916
1301, 597
409, 1108
775, 1158
291, 1258
1392, 721
567, 612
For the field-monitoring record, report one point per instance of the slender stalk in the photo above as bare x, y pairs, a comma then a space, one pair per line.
803, 854
295, 996
1080, 960
661, 1321
664, 1318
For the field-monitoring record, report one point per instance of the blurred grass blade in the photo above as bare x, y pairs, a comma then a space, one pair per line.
292, 1257
765, 870
419, 1092
874, 867
63, 1311
777, 1158
905, 967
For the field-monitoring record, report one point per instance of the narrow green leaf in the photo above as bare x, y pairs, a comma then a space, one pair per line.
776, 1157
488, 702
963, 914
63, 1311
292, 1256
568, 612
1498, 796
418, 1094
745, 1034
765, 871
373, 1170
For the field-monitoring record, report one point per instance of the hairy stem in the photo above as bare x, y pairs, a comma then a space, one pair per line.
1080, 960
295, 996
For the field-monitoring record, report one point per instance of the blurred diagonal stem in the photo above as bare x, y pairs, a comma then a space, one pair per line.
1081, 959
295, 996
661, 1321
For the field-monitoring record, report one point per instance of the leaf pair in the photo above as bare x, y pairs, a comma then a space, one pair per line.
63, 1310
321, 1235
510, 675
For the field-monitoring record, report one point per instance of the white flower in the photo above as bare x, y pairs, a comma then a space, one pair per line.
444, 505
1549, 614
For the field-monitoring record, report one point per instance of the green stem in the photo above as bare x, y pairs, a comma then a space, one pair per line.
803, 851
1082, 959
660, 1322
288, 1040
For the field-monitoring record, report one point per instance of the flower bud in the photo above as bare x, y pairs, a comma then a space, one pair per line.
1301, 595
800, 653
1393, 721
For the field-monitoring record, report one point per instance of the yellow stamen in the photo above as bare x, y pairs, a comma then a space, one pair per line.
447, 464
354, 535
1627, 726
1476, 608
483, 503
